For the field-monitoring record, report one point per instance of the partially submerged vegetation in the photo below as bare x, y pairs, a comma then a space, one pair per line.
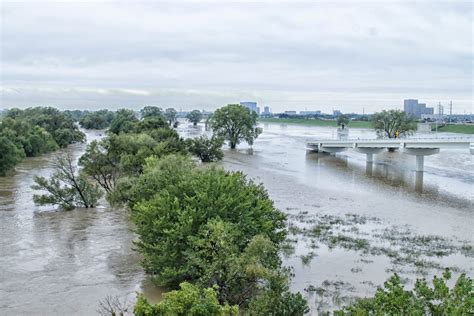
33, 132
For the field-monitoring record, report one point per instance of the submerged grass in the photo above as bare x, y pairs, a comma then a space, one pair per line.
401, 245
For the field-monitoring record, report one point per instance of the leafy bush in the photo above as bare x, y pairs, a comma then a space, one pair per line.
393, 299
188, 300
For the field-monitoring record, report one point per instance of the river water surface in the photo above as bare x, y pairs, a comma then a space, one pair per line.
382, 218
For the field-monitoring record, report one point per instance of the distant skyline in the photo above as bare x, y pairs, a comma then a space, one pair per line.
304, 55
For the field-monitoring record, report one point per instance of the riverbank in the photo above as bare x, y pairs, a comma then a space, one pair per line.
463, 129
453, 128
315, 122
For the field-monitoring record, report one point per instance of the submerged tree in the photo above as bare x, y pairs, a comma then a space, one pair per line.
9, 155
393, 124
66, 187
194, 117
170, 115
207, 149
235, 123
342, 120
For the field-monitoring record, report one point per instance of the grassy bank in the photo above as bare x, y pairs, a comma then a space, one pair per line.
313, 122
465, 129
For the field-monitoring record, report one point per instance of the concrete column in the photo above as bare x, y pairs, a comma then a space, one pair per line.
369, 152
420, 154
420, 160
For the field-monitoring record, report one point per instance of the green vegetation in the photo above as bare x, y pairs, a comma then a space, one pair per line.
170, 115
393, 124
394, 299
456, 128
194, 117
314, 122
34, 131
66, 187
152, 111
123, 122
235, 123
342, 120
97, 120
188, 300
207, 149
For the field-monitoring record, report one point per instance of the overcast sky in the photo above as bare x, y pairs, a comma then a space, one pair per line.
315, 55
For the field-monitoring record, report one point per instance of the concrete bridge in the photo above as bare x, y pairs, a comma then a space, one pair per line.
418, 147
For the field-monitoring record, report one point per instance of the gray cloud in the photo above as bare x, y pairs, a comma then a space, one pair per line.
320, 55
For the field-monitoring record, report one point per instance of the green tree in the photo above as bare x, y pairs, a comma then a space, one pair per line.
393, 123
209, 227
207, 149
9, 155
235, 123
59, 125
152, 111
123, 122
194, 117
188, 300
394, 299
170, 115
97, 120
66, 187
342, 120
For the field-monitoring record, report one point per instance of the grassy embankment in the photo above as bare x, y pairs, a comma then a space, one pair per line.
313, 122
464, 129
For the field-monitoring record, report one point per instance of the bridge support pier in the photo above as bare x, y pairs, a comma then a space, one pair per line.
369, 151
420, 154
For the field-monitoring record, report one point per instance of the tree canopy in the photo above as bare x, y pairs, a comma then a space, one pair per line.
342, 120
152, 111
97, 120
66, 187
35, 131
194, 117
170, 115
235, 123
207, 149
393, 123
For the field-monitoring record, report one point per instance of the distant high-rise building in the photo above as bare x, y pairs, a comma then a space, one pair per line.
266, 110
252, 106
412, 107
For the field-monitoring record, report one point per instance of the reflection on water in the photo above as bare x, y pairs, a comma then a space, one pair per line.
419, 181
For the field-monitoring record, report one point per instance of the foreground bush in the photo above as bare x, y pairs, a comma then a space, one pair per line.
211, 228
393, 299
189, 300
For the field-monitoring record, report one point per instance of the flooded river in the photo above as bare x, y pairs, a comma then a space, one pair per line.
352, 225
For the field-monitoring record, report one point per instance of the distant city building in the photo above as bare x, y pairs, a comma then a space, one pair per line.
252, 106
336, 112
310, 112
412, 107
266, 110
290, 112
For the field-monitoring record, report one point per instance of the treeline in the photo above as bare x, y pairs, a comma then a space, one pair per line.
32, 132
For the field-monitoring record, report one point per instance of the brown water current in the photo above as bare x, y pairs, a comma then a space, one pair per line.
351, 225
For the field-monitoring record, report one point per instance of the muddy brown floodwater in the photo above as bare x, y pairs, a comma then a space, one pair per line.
352, 225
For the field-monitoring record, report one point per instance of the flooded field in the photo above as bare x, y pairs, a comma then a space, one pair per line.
351, 225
